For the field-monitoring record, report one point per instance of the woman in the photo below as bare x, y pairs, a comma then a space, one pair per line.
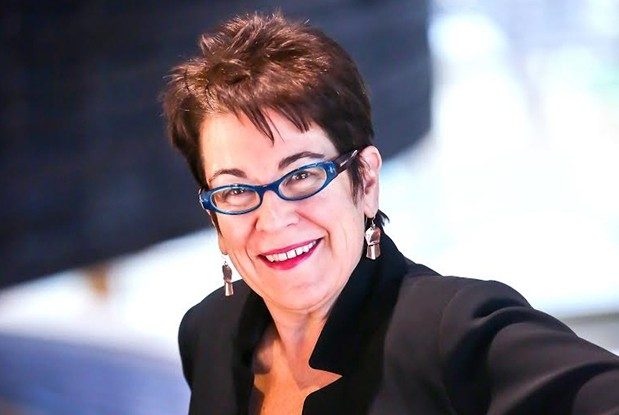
330, 317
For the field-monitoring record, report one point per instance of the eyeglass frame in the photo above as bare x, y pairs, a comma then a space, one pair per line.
332, 168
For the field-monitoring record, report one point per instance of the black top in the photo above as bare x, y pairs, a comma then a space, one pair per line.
407, 340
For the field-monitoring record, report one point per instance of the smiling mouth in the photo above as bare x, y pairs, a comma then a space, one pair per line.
293, 253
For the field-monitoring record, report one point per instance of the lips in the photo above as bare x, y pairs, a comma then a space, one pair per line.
289, 257
292, 253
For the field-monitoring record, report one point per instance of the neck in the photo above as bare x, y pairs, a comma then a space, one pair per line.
284, 353
297, 333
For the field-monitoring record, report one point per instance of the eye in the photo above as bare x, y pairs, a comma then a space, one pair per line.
301, 175
234, 196
305, 181
232, 193
235, 192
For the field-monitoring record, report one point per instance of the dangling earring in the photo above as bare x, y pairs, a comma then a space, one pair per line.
227, 271
372, 238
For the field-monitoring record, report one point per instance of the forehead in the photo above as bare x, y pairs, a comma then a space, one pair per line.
228, 141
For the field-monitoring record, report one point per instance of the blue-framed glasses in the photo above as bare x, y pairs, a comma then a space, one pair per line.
301, 183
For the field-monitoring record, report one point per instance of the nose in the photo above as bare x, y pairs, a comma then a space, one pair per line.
275, 214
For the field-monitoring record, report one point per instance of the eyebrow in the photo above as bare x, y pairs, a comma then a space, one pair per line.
285, 162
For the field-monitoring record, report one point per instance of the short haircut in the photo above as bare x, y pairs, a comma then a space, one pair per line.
256, 63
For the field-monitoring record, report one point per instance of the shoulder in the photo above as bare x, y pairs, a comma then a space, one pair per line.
420, 308
450, 310
214, 310
433, 313
429, 292
415, 342
209, 324
455, 310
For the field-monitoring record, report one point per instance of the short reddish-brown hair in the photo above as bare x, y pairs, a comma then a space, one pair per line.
255, 63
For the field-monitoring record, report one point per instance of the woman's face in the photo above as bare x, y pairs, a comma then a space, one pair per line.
325, 231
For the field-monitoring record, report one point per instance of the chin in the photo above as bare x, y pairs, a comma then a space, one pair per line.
302, 299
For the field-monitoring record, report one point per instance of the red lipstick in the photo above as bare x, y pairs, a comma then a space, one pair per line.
289, 263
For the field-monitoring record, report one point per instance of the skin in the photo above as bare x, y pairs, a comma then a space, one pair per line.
299, 298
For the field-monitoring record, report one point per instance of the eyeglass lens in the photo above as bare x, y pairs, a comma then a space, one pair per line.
296, 185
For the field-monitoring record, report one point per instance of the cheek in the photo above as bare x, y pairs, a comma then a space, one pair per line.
232, 232
339, 214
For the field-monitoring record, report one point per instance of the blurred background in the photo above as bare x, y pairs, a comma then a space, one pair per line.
498, 119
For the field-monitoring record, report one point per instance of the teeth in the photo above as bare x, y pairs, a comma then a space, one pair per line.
291, 254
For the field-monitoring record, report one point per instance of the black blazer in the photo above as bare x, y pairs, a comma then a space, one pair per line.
408, 341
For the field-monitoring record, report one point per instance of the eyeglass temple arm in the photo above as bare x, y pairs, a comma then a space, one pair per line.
342, 164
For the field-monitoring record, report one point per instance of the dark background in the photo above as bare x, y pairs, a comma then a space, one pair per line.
86, 173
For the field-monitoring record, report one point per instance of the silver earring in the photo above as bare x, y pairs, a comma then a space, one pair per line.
372, 238
227, 271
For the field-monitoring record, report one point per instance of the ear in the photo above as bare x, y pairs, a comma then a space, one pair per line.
213, 219
222, 245
372, 161
220, 241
